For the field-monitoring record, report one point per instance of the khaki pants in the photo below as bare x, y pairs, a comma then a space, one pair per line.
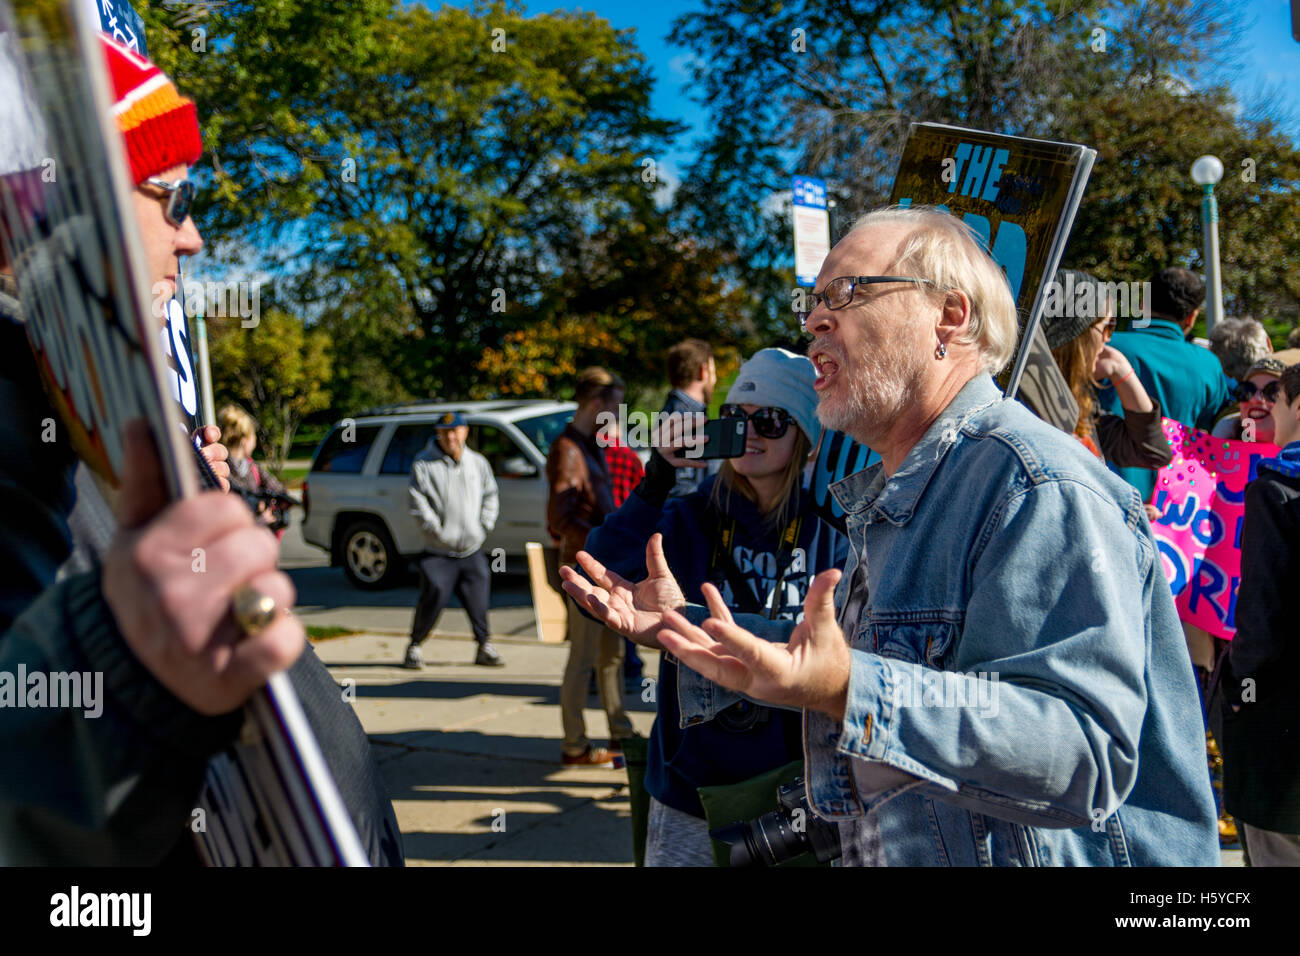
592, 645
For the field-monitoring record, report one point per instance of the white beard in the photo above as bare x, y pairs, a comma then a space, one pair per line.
878, 390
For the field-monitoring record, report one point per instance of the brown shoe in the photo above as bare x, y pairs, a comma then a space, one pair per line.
591, 757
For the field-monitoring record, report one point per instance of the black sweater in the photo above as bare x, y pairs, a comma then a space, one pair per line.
1261, 741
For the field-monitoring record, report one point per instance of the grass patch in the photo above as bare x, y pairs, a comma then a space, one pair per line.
292, 477
315, 633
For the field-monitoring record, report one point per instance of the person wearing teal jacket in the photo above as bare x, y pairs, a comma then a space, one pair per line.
1185, 379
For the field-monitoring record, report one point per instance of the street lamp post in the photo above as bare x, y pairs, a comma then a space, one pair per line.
1206, 171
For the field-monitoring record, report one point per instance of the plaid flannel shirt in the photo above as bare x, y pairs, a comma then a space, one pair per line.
625, 470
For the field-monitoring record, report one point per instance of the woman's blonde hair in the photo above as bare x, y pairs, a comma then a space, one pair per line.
782, 510
236, 426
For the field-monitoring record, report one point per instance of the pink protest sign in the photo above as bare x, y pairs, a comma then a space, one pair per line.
1201, 498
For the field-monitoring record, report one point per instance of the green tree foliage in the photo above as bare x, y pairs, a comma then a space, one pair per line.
632, 293
829, 88
432, 177
277, 370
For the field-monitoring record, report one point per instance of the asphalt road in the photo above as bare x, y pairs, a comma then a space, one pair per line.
327, 598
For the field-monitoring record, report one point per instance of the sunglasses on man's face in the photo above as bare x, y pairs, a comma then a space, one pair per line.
1245, 391
180, 197
768, 422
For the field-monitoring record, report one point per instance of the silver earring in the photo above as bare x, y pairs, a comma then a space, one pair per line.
941, 351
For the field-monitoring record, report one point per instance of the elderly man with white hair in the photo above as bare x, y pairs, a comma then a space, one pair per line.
999, 677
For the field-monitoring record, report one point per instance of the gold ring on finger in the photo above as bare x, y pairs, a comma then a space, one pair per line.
253, 609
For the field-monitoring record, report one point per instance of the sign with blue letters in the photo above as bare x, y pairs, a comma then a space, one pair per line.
812, 228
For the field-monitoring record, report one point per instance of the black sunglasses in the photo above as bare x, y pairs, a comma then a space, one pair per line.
1245, 391
180, 198
769, 422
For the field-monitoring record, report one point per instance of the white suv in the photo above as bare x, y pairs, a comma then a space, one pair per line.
355, 497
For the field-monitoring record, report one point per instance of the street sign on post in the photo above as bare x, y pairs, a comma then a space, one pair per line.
812, 228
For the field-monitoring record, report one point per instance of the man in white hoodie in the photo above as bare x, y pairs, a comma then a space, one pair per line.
454, 498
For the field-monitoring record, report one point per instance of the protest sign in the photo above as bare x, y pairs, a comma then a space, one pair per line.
1020, 196
70, 233
82, 277
1201, 497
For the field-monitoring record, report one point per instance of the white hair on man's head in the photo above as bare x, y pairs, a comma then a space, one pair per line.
942, 248
1239, 343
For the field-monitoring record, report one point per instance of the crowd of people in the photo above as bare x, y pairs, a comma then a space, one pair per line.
986, 543
973, 659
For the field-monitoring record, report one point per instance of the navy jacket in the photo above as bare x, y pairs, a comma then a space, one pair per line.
745, 740
1261, 741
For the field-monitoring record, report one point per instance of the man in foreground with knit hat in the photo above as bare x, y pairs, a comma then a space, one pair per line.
118, 786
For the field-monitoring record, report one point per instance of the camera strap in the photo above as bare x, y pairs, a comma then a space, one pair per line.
742, 590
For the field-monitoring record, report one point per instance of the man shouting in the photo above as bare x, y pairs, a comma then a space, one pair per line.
999, 677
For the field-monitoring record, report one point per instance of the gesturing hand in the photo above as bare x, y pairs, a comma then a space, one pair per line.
811, 671
635, 610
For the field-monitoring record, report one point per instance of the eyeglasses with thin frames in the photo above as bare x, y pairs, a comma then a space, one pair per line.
839, 292
1107, 328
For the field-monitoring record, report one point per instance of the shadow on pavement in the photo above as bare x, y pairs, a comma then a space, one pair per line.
527, 840
433, 689
474, 796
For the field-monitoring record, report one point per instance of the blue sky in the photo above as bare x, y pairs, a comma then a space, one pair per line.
1270, 58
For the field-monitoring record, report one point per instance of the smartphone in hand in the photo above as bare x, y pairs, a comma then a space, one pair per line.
726, 439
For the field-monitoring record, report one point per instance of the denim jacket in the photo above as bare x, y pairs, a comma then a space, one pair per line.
1020, 691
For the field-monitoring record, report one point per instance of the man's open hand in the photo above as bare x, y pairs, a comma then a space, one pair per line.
811, 671
635, 610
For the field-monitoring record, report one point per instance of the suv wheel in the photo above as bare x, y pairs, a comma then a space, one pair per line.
370, 559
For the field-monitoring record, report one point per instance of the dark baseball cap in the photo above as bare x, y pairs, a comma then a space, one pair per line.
450, 420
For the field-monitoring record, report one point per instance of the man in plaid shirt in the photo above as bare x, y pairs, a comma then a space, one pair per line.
625, 473
625, 468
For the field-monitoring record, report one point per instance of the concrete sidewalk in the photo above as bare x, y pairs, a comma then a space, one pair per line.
471, 755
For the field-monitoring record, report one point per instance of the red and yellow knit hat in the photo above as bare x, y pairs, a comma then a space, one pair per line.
161, 127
